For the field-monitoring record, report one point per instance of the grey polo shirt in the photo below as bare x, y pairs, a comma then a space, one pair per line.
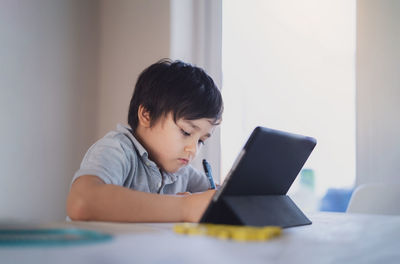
119, 159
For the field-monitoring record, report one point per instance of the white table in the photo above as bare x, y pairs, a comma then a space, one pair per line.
332, 238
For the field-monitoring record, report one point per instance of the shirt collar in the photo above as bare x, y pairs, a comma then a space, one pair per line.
139, 147
171, 177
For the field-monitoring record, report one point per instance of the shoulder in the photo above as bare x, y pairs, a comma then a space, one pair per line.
114, 147
112, 158
116, 139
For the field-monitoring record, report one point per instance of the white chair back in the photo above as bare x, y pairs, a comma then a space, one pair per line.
376, 198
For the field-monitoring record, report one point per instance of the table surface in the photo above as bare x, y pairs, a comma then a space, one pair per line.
332, 238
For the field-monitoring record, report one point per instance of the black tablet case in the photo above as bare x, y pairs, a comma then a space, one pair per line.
254, 192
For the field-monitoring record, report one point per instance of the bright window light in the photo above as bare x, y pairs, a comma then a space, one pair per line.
290, 65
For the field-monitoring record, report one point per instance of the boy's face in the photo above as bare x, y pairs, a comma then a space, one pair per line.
173, 145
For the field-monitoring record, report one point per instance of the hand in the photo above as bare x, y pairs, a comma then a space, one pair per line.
195, 204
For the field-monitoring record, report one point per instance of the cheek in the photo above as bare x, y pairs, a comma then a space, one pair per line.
175, 142
171, 142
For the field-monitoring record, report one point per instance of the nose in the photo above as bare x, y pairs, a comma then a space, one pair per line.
191, 148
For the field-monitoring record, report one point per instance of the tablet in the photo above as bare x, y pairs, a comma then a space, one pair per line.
263, 172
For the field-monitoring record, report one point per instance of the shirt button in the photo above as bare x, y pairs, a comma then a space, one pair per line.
159, 185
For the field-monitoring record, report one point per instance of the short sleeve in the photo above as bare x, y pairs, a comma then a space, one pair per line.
106, 159
198, 181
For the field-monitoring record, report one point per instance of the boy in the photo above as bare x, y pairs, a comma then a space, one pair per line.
142, 173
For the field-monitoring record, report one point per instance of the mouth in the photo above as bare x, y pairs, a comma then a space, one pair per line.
183, 161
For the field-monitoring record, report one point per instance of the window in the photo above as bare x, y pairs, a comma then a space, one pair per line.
290, 65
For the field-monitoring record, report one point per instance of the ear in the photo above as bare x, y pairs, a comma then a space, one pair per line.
144, 117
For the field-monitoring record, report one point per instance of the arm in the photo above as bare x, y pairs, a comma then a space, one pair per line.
91, 199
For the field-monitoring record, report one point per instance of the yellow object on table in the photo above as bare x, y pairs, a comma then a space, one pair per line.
238, 233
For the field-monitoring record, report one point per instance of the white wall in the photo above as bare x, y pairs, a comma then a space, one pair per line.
378, 91
48, 76
67, 72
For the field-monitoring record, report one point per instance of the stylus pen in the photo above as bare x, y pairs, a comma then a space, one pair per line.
207, 170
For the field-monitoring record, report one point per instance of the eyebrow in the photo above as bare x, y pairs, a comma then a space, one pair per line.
196, 127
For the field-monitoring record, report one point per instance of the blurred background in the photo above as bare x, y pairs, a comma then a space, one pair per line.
328, 69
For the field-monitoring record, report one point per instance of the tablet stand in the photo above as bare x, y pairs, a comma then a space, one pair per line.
257, 210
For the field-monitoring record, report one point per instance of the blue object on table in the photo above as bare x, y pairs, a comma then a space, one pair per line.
50, 237
336, 200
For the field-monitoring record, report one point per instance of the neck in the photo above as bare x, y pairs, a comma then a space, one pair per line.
140, 135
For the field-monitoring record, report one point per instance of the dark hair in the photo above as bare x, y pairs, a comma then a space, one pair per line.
177, 87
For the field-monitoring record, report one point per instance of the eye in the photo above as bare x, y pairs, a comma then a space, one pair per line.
186, 134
